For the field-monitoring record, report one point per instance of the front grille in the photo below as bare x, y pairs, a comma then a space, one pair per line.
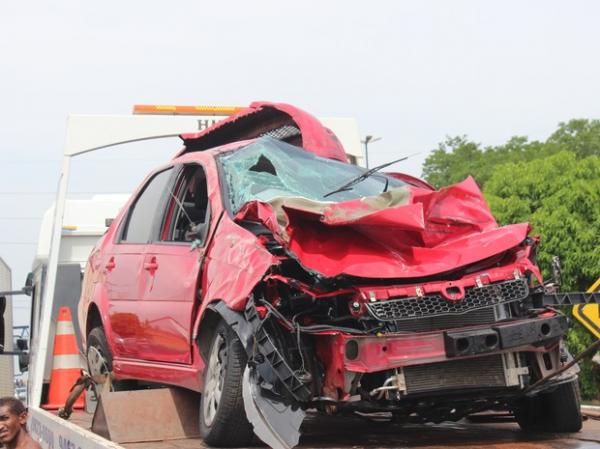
436, 305
480, 372
434, 323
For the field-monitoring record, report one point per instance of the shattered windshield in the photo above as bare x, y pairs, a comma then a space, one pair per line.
269, 168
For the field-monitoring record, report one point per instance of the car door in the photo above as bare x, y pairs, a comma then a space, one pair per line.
171, 267
124, 265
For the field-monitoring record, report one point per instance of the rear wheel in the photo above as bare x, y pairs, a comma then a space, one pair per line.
223, 420
556, 411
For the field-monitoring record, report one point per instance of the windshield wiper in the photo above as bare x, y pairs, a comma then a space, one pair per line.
365, 175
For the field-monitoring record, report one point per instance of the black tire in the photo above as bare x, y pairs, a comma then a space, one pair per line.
223, 421
556, 411
96, 341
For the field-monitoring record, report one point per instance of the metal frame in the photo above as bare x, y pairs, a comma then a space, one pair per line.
570, 298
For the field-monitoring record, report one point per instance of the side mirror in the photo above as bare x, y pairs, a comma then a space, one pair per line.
108, 222
2, 309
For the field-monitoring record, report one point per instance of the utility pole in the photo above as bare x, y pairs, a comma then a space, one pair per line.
367, 141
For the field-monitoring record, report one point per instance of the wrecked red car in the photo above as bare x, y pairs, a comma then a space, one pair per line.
262, 270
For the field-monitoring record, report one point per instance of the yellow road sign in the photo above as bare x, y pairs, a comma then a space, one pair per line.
589, 314
594, 287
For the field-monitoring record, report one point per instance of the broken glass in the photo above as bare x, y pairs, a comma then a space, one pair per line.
268, 168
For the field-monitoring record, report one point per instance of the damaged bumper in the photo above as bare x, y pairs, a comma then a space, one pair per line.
368, 354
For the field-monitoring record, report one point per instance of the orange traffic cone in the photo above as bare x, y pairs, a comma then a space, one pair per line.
65, 367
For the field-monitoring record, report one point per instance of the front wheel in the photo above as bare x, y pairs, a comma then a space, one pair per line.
100, 361
556, 411
99, 358
223, 421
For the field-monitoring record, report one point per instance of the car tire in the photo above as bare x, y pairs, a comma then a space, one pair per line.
556, 411
100, 361
223, 421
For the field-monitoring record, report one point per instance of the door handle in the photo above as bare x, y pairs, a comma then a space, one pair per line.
152, 265
110, 264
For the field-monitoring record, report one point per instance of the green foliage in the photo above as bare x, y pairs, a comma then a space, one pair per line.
457, 157
560, 197
555, 186
581, 137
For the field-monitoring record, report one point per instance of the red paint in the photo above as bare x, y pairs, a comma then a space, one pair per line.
415, 182
315, 137
436, 232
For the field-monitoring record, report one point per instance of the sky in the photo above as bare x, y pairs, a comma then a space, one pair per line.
410, 72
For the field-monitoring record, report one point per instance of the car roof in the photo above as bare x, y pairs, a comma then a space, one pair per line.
265, 118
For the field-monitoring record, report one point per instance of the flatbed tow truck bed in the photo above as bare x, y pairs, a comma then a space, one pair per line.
356, 432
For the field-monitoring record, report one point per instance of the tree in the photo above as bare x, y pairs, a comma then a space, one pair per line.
446, 165
579, 136
560, 197
458, 157
554, 185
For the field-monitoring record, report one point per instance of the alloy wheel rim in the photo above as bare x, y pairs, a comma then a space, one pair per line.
97, 363
215, 377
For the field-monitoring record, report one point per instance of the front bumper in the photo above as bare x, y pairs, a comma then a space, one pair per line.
346, 355
369, 354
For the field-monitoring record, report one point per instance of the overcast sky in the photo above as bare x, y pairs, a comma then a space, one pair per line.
409, 72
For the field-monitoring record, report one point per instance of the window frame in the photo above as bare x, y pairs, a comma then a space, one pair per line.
176, 179
157, 218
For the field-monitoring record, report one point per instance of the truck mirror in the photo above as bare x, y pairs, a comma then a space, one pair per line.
28, 284
24, 361
2, 308
22, 344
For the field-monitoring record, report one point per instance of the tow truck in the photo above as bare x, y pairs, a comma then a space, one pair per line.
90, 133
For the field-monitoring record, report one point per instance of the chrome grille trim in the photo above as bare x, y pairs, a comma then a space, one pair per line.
436, 305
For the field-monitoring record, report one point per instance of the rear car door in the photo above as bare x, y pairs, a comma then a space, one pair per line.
171, 267
124, 265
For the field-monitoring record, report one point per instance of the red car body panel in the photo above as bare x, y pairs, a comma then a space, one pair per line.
432, 232
235, 265
315, 137
416, 182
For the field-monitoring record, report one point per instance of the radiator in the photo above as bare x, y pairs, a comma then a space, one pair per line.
470, 373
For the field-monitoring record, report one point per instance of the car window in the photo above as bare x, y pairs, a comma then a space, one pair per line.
188, 205
140, 221
268, 168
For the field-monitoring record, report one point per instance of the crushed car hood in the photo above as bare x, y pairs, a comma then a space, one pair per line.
403, 233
